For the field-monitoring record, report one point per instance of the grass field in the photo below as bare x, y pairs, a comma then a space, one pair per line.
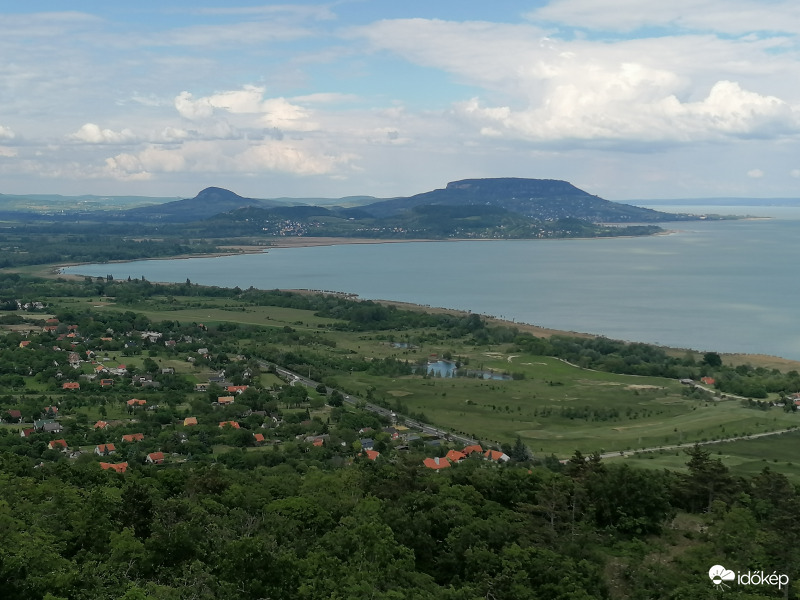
742, 457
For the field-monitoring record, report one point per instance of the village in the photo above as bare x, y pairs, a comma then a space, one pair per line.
96, 409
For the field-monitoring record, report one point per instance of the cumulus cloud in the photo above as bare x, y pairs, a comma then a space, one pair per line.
6, 133
571, 92
7, 152
755, 174
270, 112
93, 134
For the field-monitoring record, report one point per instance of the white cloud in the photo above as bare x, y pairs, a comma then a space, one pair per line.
755, 174
730, 16
93, 134
795, 172
289, 159
570, 92
7, 152
270, 112
6, 133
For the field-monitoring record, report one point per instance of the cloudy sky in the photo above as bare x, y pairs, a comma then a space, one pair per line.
624, 98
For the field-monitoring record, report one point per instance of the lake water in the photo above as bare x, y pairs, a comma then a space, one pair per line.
728, 286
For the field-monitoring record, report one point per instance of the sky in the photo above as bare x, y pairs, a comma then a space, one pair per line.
626, 99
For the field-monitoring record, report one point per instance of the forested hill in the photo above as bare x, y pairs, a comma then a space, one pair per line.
541, 199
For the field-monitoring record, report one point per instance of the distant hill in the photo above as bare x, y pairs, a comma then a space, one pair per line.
208, 203
540, 199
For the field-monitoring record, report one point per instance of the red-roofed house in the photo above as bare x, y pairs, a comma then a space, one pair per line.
225, 400
189, 421
133, 437
708, 380
104, 449
436, 463
71, 385
15, 415
155, 458
372, 454
455, 456
100, 425
24, 343
258, 437
470, 449
136, 402
29, 431
118, 467
497, 456
58, 445
106, 382
233, 424
236, 389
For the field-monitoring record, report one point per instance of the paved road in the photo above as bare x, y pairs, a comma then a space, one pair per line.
295, 378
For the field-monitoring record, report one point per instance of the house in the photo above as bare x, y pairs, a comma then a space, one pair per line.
104, 449
190, 421
318, 442
201, 387
136, 402
27, 432
106, 382
236, 389
58, 445
455, 456
708, 380
468, 450
71, 385
52, 428
258, 437
155, 458
133, 437
15, 415
24, 343
223, 400
372, 454
170, 343
232, 424
367, 443
50, 411
118, 467
496, 456
168, 371
100, 425
436, 463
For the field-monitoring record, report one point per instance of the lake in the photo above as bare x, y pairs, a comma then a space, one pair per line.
727, 286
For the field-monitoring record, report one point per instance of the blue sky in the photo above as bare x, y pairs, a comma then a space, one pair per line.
623, 98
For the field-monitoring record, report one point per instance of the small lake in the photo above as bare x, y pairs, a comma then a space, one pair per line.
728, 286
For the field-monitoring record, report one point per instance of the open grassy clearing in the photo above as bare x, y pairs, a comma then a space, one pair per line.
211, 310
742, 457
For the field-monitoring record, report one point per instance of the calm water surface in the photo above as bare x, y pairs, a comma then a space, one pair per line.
730, 286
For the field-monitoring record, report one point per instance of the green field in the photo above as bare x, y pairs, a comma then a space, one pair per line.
742, 457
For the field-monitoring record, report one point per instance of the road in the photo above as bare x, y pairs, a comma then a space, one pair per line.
295, 378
